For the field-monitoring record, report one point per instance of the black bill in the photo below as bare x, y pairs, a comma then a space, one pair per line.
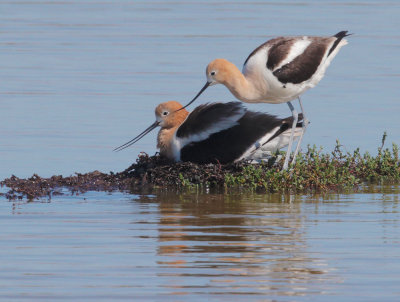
134, 140
200, 92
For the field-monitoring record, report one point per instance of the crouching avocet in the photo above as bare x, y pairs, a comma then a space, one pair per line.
217, 132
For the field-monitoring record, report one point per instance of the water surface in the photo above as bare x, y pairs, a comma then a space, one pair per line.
202, 247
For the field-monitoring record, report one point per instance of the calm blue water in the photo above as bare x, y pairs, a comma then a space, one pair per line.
97, 247
79, 78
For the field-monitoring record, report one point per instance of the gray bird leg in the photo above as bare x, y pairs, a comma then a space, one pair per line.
304, 127
289, 150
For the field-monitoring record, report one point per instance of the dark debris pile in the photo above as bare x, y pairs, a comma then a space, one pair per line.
36, 186
148, 171
157, 171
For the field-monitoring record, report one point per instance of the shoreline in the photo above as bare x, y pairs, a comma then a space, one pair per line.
314, 171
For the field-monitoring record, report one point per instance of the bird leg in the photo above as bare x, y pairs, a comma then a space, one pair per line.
289, 150
304, 127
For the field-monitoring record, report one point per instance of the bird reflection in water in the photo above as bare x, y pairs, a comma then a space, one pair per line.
249, 243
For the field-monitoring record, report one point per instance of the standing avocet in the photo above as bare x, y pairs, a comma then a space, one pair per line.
217, 132
278, 71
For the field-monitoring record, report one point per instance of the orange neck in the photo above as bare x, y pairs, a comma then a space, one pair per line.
164, 141
237, 83
166, 134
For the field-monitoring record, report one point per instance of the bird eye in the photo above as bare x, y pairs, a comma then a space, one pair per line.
165, 113
212, 73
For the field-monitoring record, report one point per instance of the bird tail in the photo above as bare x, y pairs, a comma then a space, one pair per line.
342, 34
339, 37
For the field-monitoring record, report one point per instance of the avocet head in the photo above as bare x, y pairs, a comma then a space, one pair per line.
217, 72
168, 115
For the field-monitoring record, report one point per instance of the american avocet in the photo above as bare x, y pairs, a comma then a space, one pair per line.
278, 71
217, 132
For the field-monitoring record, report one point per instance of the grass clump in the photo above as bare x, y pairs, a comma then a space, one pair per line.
315, 170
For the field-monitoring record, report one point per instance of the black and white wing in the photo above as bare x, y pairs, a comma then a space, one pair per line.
295, 59
208, 119
238, 142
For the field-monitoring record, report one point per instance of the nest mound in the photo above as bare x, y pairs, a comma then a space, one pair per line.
313, 171
148, 171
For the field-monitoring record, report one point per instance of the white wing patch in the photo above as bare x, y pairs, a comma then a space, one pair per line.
296, 50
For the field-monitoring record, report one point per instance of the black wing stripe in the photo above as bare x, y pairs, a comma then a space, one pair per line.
303, 66
286, 124
279, 52
207, 116
269, 43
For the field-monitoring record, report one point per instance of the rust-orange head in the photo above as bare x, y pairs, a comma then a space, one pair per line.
168, 115
219, 71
